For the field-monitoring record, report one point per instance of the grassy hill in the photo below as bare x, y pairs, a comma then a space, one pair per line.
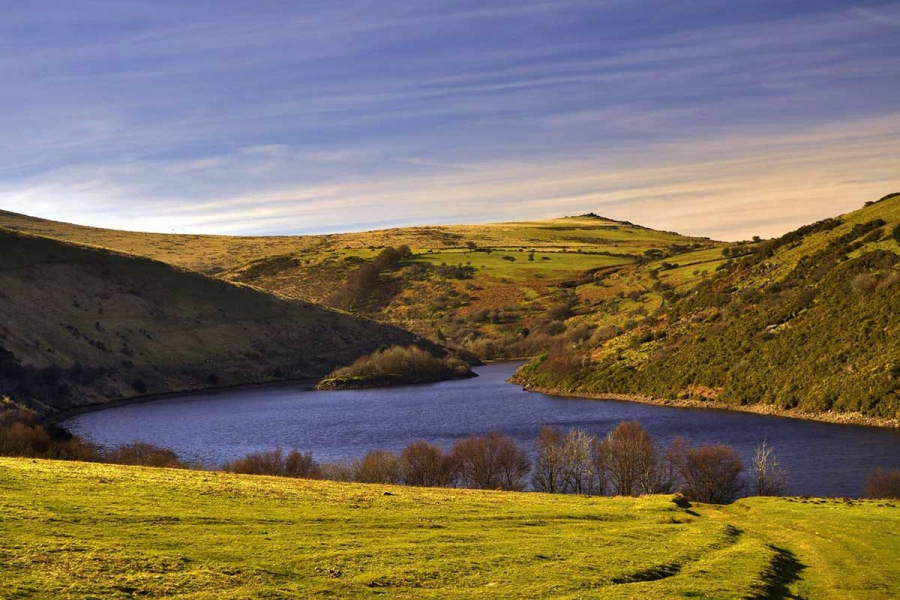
805, 323
485, 289
78, 530
82, 325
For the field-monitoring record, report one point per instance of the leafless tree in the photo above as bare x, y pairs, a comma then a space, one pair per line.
578, 462
426, 465
548, 468
882, 483
709, 473
491, 461
276, 462
768, 477
632, 462
379, 466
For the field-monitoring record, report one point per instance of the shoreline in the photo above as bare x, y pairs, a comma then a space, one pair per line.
758, 409
63, 415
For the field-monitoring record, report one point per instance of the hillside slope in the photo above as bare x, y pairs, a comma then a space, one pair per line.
79, 530
485, 289
807, 322
81, 325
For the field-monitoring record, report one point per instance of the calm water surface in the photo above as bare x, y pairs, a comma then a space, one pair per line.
822, 459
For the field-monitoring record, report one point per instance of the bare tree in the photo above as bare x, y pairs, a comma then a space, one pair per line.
709, 473
276, 462
882, 483
426, 465
768, 478
142, 453
490, 462
379, 466
632, 462
548, 468
578, 462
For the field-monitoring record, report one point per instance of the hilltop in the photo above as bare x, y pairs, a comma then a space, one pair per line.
805, 324
109, 531
82, 325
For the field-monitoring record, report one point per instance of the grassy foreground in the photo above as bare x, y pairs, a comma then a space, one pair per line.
78, 530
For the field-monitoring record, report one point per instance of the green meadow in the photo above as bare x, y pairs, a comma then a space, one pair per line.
78, 530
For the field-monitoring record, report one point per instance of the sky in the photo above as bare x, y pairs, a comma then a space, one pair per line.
720, 119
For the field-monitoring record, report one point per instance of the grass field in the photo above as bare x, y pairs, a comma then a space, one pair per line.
76, 530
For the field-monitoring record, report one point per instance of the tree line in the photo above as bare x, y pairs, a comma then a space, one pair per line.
627, 461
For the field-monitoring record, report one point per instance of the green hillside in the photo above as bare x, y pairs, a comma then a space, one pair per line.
806, 322
484, 289
81, 325
79, 530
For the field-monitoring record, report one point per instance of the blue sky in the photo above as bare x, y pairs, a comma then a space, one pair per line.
726, 119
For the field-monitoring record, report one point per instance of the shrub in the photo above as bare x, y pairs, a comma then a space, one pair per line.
275, 462
882, 483
562, 310
426, 465
709, 473
20, 436
896, 233
24, 439
379, 466
143, 454
490, 462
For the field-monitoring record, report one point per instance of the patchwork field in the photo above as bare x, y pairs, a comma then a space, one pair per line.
481, 289
77, 530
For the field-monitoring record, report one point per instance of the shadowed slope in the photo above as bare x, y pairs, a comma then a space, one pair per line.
81, 325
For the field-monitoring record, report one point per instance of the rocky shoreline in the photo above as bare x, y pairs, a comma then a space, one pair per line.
759, 409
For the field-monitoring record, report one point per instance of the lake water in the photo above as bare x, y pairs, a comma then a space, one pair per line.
822, 459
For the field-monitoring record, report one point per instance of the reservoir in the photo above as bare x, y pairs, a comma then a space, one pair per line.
822, 459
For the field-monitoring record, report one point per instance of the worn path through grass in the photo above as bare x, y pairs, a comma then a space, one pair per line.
76, 530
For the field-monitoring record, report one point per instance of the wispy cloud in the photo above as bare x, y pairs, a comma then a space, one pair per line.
728, 122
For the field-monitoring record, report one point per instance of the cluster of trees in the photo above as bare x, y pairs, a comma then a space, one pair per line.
397, 364
625, 462
491, 461
362, 281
